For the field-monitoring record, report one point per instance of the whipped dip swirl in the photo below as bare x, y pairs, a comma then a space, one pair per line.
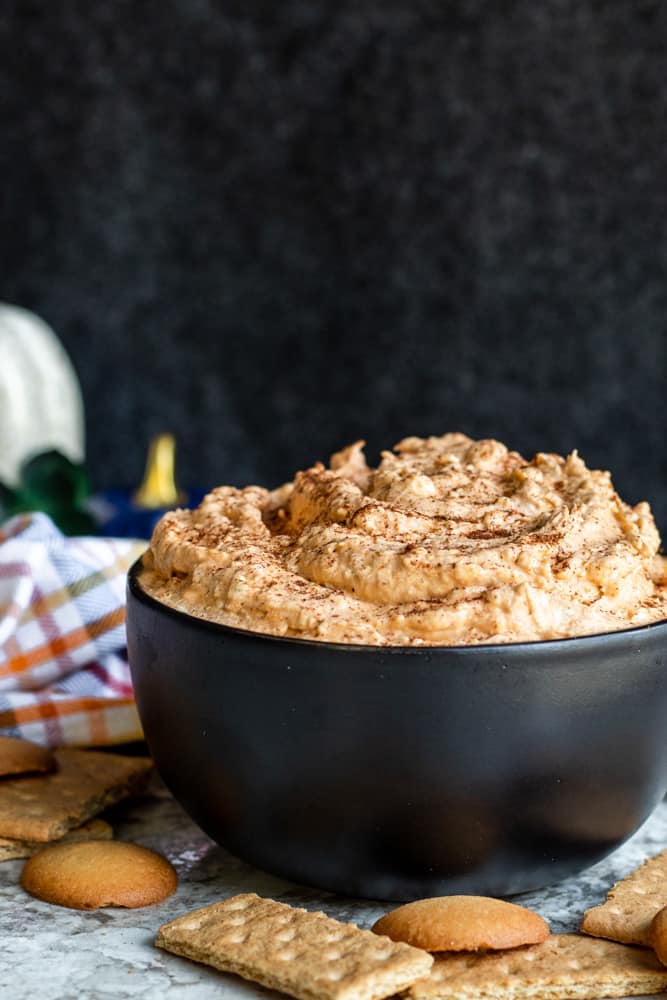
449, 541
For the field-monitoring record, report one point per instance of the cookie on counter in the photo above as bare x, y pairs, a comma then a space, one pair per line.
90, 875
463, 923
23, 757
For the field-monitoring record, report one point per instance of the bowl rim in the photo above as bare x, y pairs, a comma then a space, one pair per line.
498, 648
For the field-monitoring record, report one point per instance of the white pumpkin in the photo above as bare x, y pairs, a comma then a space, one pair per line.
40, 399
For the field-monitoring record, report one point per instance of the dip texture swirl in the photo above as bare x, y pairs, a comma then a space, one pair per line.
448, 541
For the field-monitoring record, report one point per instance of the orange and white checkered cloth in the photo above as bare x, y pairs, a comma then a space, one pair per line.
64, 678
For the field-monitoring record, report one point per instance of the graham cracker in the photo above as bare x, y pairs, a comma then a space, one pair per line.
631, 904
564, 967
95, 829
46, 807
307, 955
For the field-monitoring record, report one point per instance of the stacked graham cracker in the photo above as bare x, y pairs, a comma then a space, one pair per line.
50, 797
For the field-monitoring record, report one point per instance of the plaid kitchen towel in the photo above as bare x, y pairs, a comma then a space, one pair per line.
64, 678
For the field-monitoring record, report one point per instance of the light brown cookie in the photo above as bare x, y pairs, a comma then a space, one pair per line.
89, 875
44, 808
307, 955
564, 967
95, 829
462, 923
22, 757
658, 934
631, 905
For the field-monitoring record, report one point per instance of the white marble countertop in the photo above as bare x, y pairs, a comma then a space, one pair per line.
52, 953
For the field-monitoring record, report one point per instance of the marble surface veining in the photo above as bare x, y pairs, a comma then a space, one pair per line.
53, 953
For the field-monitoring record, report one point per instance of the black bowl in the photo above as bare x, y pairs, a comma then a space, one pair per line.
395, 773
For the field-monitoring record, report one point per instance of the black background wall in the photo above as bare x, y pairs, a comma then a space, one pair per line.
278, 226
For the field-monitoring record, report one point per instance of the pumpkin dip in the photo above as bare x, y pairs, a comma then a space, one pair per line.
449, 541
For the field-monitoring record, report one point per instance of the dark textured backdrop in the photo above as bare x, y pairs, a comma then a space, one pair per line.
278, 226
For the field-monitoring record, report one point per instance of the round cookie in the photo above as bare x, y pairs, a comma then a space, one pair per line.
463, 923
88, 875
22, 757
658, 934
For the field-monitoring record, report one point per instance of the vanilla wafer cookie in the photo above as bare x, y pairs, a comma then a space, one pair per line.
94, 829
463, 923
23, 757
564, 967
659, 934
93, 874
631, 905
307, 955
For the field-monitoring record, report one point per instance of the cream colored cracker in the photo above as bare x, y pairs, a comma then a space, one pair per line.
45, 808
95, 829
307, 955
564, 967
631, 904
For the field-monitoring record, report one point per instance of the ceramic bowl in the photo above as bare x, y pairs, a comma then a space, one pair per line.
400, 772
